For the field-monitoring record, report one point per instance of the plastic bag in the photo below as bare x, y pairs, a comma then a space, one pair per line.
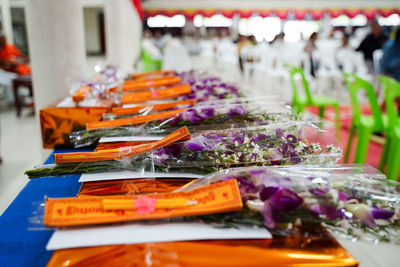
197, 118
210, 151
351, 201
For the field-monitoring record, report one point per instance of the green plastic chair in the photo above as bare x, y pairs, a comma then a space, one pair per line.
364, 124
149, 63
391, 149
300, 103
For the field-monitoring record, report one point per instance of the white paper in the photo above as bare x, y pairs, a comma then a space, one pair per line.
68, 102
147, 102
117, 175
148, 233
105, 139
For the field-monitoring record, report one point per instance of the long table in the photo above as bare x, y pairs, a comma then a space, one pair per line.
23, 245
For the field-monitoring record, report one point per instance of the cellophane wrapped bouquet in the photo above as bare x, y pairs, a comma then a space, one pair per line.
210, 115
213, 150
351, 201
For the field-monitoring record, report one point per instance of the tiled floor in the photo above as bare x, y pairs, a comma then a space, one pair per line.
20, 149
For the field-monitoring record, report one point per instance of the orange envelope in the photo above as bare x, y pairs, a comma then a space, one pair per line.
215, 198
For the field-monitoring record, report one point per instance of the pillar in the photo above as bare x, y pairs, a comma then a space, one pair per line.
6, 20
56, 46
123, 34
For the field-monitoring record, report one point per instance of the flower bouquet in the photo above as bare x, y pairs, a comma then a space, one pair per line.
205, 87
213, 150
213, 115
351, 201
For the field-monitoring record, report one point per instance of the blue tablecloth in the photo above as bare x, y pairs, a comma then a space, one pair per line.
20, 246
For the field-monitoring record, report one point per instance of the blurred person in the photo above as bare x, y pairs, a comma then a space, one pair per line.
309, 49
149, 46
390, 61
11, 59
158, 40
253, 39
176, 55
343, 50
278, 39
373, 41
242, 42
151, 55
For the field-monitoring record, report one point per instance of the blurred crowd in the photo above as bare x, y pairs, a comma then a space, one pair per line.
367, 50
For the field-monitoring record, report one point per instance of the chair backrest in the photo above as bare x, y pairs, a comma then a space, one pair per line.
392, 90
354, 85
149, 64
295, 71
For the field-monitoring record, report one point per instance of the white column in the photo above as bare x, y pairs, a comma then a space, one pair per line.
6, 20
57, 47
123, 33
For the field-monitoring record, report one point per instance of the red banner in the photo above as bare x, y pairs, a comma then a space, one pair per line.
138, 5
299, 14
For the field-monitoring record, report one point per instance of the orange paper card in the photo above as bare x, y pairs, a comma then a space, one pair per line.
134, 120
156, 94
122, 152
215, 198
152, 107
152, 73
150, 83
113, 145
81, 94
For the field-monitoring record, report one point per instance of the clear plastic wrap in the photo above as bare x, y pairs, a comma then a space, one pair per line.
212, 150
351, 201
198, 118
207, 87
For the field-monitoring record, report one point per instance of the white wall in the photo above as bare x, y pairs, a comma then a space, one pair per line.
123, 33
92, 30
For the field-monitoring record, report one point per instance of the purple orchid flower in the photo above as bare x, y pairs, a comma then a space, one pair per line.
342, 196
285, 200
319, 191
207, 113
290, 138
259, 137
381, 213
192, 116
279, 132
327, 209
239, 110
267, 192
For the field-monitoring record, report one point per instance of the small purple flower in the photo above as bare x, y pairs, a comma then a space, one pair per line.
342, 196
328, 209
207, 113
283, 148
290, 138
294, 158
238, 138
267, 192
195, 146
259, 137
318, 191
192, 116
239, 110
285, 200
279, 132
203, 142
381, 213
